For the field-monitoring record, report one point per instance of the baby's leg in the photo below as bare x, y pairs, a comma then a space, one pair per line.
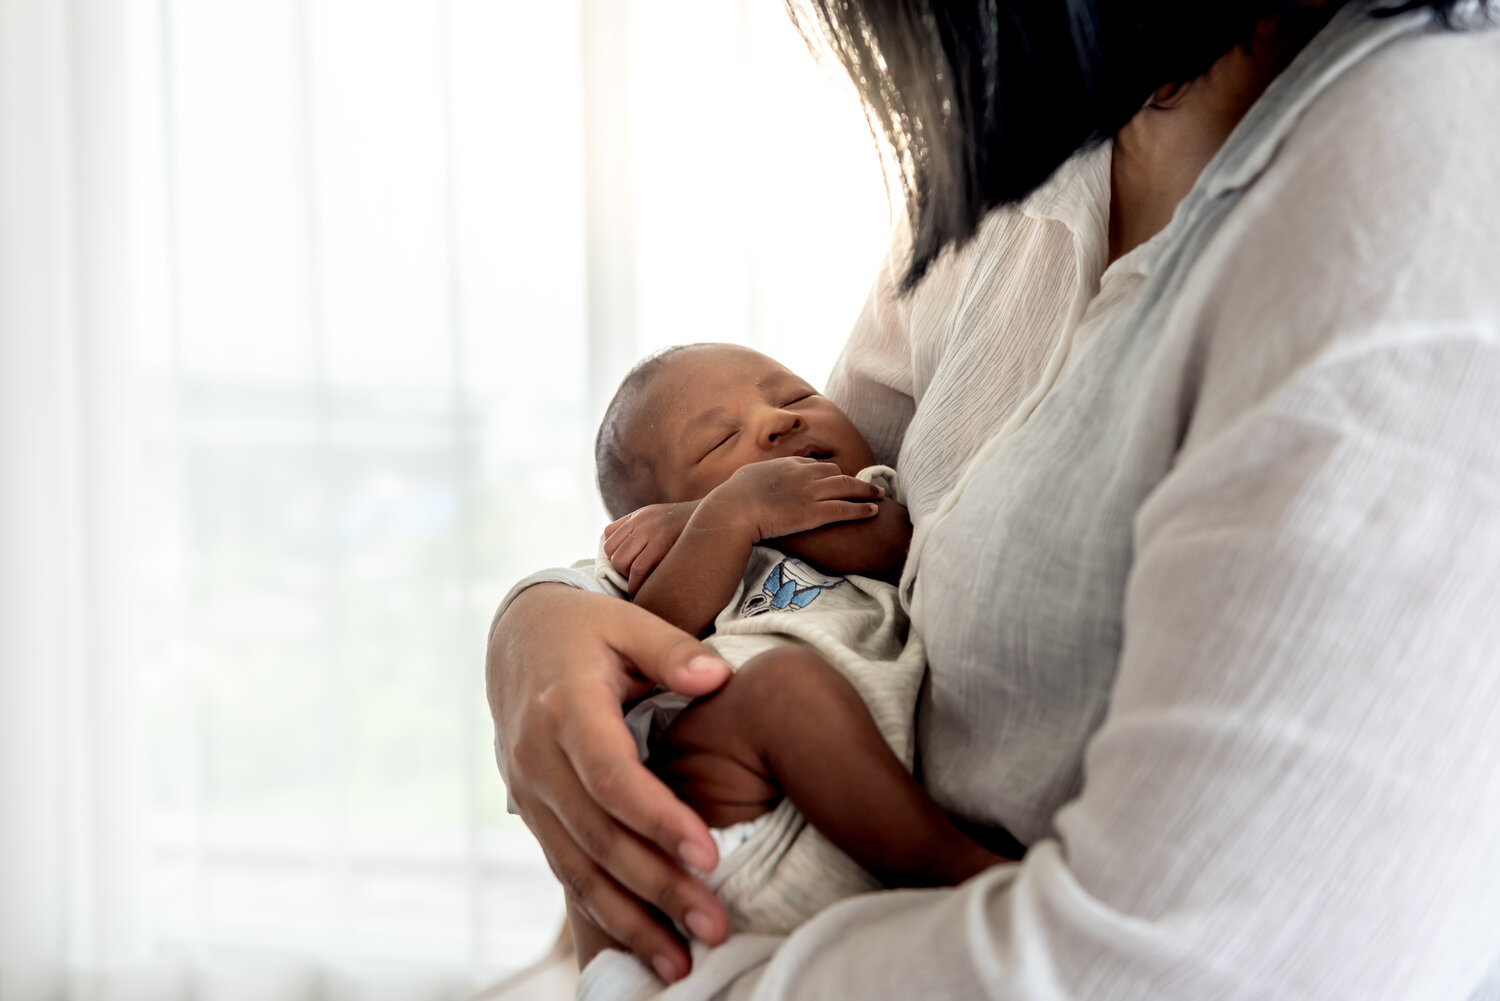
790, 721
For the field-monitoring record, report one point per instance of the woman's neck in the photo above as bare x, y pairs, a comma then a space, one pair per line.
1160, 152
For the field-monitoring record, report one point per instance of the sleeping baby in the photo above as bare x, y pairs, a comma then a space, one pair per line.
758, 519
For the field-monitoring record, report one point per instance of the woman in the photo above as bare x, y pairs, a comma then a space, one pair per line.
1207, 591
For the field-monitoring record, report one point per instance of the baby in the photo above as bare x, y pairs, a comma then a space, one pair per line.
759, 519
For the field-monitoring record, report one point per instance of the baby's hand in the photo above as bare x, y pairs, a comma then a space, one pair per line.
794, 494
636, 543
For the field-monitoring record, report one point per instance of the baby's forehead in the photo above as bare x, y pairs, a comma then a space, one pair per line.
692, 384
713, 366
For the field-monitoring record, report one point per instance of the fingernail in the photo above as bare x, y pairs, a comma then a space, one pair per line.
697, 856
664, 967
699, 924
703, 662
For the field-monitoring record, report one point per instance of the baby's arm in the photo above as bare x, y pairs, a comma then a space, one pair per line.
874, 547
788, 724
764, 500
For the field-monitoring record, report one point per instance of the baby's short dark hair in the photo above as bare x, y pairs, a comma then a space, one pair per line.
625, 475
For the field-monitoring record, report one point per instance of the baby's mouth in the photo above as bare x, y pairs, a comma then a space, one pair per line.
815, 452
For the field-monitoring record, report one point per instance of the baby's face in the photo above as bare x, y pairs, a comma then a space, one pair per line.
712, 409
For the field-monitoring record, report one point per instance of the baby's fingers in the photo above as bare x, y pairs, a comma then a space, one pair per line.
848, 488
641, 567
627, 554
616, 533
831, 511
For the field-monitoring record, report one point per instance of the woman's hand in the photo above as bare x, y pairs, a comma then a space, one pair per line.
560, 664
588, 939
636, 543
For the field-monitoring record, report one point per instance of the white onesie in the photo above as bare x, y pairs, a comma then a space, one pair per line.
777, 870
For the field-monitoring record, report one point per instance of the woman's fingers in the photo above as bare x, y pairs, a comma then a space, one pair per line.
665, 654
621, 916
613, 778
588, 938
608, 807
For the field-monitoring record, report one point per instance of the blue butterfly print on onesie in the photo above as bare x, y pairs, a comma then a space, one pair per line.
790, 585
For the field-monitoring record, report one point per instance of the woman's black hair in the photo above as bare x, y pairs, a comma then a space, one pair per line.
977, 102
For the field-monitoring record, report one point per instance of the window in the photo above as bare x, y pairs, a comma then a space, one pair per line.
389, 259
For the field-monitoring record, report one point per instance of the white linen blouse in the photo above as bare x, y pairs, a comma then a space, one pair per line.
1208, 567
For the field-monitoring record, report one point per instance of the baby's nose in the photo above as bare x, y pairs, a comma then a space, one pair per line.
783, 422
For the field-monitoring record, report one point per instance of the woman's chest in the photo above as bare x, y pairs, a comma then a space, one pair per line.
982, 339
1019, 586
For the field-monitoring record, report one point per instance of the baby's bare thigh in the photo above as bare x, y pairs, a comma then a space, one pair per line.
717, 754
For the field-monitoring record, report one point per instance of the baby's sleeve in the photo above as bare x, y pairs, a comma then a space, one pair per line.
584, 575
883, 477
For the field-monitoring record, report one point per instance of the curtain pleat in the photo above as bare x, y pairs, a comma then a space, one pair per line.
70, 778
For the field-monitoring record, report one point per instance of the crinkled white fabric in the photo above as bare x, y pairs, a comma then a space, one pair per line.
931, 377
1212, 620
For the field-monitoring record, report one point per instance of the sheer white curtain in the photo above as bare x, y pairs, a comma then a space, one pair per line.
307, 310
71, 790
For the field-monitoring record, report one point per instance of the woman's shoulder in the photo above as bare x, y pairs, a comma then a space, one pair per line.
1414, 109
1406, 130
1380, 145
1379, 203
1370, 233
